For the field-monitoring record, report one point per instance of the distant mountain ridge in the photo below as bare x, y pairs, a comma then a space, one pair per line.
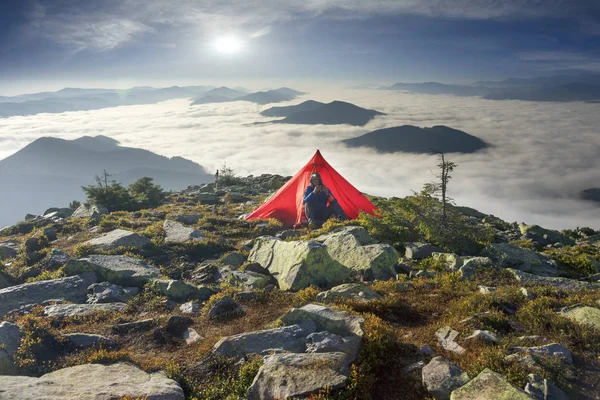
52, 171
225, 94
314, 112
413, 139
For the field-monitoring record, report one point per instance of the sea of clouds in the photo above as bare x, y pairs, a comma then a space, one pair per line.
542, 154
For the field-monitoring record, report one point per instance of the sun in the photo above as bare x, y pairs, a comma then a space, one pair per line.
228, 45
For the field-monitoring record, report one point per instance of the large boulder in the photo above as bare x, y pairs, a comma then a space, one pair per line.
70, 310
441, 377
5, 279
10, 339
349, 291
86, 340
72, 288
544, 236
352, 247
120, 238
338, 322
583, 315
489, 385
93, 382
511, 256
9, 249
107, 292
91, 212
298, 265
290, 338
284, 376
181, 291
120, 270
559, 282
177, 233
419, 250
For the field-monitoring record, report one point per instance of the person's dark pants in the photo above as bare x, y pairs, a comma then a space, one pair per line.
317, 215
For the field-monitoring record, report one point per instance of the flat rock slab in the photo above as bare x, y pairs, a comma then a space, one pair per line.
120, 270
441, 377
284, 376
339, 322
181, 291
73, 288
120, 238
550, 350
562, 283
446, 337
349, 291
85, 340
92, 382
583, 315
177, 233
287, 339
127, 327
107, 292
70, 310
489, 385
420, 250
511, 256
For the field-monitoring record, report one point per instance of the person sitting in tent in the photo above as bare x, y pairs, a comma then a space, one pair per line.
319, 203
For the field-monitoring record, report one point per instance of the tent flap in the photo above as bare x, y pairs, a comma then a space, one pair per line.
286, 204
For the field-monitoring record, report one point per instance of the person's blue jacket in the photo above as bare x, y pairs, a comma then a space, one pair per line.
316, 199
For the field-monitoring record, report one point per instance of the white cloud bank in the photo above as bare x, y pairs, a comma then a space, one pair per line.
542, 154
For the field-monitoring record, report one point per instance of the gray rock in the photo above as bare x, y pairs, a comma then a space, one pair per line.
177, 324
486, 289
340, 322
550, 350
427, 350
527, 293
404, 287
256, 267
188, 219
233, 259
225, 307
176, 233
286, 339
452, 261
5, 279
349, 291
562, 283
9, 249
10, 339
107, 292
86, 340
489, 385
284, 376
441, 377
56, 212
92, 382
245, 296
485, 336
120, 238
142, 325
422, 274
73, 289
32, 244
246, 279
544, 236
419, 250
511, 256
191, 307
181, 291
57, 259
583, 315
93, 212
120, 270
325, 342
446, 337
190, 336
532, 338
70, 310
543, 389
472, 264
288, 234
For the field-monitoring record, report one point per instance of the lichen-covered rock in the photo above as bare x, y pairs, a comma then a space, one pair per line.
70, 310
419, 250
290, 338
188, 219
233, 259
470, 265
107, 292
555, 350
9, 249
447, 338
93, 382
511, 256
120, 270
452, 261
225, 307
298, 265
86, 340
484, 336
10, 339
339, 322
559, 282
583, 315
181, 291
120, 238
72, 288
284, 376
441, 377
489, 385
176, 233
349, 291
246, 279
352, 247
91, 212
544, 236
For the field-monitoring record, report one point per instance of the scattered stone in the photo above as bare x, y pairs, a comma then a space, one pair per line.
120, 270
550, 350
510, 256
419, 250
485, 336
446, 337
583, 315
528, 294
188, 219
349, 291
414, 370
91, 212
57, 259
325, 342
177, 324
544, 236
191, 307
10, 340
9, 249
532, 338
32, 244
562, 283
486, 289
225, 307
56, 212
290, 338
142, 325
190, 336
233, 259
489, 385
452, 261
244, 296
70, 310
120, 238
339, 322
246, 279
472, 264
176, 233
543, 389
527, 360
73, 289
441, 377
86, 340
181, 291
427, 350
284, 376
93, 381
107, 292
517, 326
5, 279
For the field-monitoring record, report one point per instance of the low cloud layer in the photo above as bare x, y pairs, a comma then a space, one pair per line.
542, 154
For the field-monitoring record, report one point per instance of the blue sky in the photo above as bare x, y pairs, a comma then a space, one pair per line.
115, 43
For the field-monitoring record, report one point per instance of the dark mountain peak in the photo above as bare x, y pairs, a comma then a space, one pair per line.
289, 110
97, 143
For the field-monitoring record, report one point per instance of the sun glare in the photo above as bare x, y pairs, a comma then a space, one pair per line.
228, 45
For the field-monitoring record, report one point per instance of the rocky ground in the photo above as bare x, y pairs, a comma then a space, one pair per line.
188, 300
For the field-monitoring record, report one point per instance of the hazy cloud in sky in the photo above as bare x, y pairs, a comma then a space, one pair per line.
542, 154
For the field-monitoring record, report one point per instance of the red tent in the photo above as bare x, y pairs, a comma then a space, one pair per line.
286, 204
